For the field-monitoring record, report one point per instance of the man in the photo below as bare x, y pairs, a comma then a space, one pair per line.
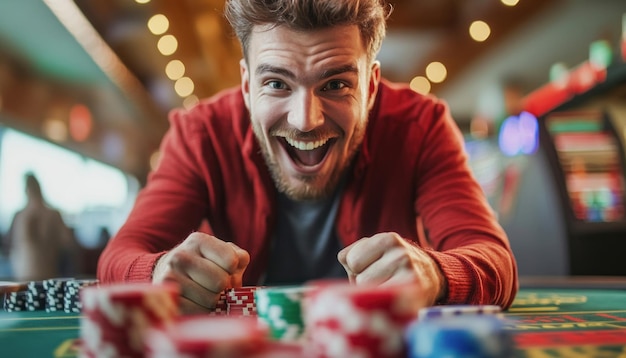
38, 240
314, 167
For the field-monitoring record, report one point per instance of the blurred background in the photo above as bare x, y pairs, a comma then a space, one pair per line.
538, 87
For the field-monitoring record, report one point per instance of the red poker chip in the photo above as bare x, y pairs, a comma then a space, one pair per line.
116, 316
344, 320
203, 336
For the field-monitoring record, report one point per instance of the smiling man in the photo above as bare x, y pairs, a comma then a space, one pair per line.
314, 167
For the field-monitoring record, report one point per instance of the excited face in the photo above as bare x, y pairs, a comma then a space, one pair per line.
308, 94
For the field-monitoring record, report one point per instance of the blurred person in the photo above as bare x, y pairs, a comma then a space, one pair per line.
314, 167
38, 242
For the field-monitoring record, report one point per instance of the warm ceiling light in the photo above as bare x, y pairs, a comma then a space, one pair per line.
142, 1
175, 69
184, 87
190, 101
436, 72
80, 122
420, 84
158, 24
510, 2
167, 45
55, 129
479, 31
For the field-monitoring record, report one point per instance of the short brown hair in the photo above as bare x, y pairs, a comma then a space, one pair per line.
369, 15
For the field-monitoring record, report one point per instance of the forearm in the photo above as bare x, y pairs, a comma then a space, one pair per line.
478, 275
118, 263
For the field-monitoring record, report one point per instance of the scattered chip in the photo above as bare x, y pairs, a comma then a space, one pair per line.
482, 336
458, 310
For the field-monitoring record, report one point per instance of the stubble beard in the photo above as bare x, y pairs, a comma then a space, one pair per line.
310, 187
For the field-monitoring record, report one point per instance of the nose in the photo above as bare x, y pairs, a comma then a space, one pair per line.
306, 111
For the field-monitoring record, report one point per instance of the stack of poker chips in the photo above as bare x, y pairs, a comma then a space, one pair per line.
280, 309
116, 317
459, 331
240, 301
55, 294
71, 297
15, 301
51, 295
206, 337
221, 306
344, 320
36, 296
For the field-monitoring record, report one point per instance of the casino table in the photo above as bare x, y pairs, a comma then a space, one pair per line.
549, 318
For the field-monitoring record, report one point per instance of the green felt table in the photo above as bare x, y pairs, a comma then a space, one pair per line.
557, 321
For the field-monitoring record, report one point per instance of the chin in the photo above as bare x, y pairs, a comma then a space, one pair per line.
308, 188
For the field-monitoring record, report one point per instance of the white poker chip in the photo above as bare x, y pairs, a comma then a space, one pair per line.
458, 310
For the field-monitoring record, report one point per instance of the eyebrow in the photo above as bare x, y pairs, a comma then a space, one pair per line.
264, 68
338, 70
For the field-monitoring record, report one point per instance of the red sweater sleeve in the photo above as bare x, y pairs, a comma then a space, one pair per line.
412, 173
166, 211
469, 245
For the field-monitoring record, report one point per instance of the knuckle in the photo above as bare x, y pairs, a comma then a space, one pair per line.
221, 282
178, 259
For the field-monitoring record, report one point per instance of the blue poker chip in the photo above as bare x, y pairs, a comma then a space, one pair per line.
479, 336
458, 310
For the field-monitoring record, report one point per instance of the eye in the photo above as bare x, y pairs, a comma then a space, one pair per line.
334, 85
279, 85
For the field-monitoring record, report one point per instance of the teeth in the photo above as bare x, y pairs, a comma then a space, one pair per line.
306, 145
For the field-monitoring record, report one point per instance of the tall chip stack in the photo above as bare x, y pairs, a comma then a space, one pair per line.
359, 320
280, 309
116, 317
202, 336
240, 301
55, 293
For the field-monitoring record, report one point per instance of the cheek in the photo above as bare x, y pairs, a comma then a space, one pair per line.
264, 116
349, 117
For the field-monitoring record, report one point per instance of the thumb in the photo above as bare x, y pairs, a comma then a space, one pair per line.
342, 257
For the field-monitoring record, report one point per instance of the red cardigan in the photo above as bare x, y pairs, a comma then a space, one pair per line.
411, 176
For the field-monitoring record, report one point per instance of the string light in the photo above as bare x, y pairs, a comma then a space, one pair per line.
420, 84
158, 24
479, 31
167, 45
436, 72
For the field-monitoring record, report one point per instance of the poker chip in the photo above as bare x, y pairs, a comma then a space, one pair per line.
116, 317
221, 306
345, 320
206, 337
240, 301
279, 349
36, 297
280, 309
458, 310
55, 293
71, 294
483, 336
15, 301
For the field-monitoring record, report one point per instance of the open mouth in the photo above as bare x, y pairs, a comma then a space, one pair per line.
308, 153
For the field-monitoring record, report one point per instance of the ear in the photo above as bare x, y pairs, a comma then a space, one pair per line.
373, 84
245, 82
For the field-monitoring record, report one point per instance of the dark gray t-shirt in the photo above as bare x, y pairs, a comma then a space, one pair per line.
305, 241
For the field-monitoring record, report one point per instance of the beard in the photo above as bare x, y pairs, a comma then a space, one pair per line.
315, 186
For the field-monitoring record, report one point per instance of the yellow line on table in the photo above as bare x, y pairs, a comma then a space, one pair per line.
529, 310
27, 329
534, 309
40, 318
